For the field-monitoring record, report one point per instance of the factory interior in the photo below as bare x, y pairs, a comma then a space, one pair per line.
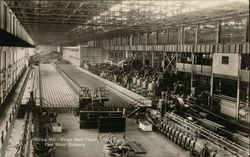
124, 78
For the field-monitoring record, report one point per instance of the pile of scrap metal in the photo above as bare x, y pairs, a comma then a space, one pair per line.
117, 147
122, 148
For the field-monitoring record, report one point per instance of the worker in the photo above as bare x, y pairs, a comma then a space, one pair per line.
2, 137
129, 80
136, 118
163, 108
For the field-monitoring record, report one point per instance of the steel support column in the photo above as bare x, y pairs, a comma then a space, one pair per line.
147, 36
238, 100
139, 39
182, 35
167, 37
143, 59
238, 105
192, 70
153, 59
1, 75
157, 38
197, 34
248, 102
131, 40
218, 33
211, 84
193, 57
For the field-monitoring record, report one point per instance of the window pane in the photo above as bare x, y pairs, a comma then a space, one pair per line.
190, 34
152, 38
207, 33
143, 39
162, 37
233, 30
173, 36
225, 60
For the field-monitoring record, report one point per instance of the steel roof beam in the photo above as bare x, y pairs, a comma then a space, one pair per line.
62, 9
27, 22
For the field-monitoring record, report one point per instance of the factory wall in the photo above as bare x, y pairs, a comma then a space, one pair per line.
226, 64
13, 61
72, 54
79, 54
46, 48
93, 55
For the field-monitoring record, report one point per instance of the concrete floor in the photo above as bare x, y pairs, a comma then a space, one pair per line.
155, 144
75, 142
15, 138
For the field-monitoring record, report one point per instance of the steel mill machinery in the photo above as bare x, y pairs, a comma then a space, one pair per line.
101, 95
85, 97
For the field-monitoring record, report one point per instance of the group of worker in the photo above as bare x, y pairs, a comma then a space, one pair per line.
147, 81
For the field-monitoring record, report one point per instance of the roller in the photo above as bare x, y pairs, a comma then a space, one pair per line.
183, 140
172, 134
166, 133
163, 128
178, 140
192, 145
177, 132
166, 129
160, 127
187, 142
179, 103
169, 131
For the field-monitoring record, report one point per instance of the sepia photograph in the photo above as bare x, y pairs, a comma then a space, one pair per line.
124, 78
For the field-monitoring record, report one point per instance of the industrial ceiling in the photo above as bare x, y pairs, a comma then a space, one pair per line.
76, 21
